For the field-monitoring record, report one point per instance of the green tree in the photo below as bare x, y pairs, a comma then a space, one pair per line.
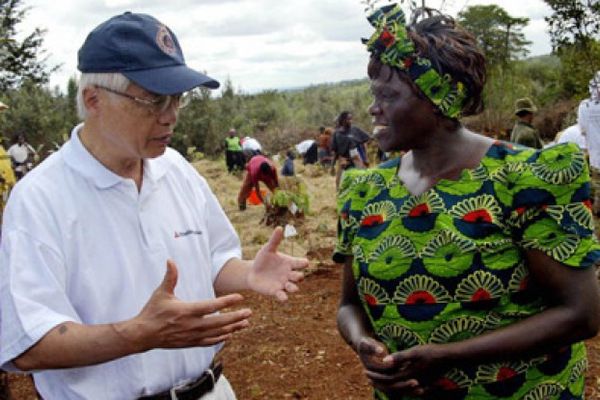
498, 34
574, 28
23, 60
37, 112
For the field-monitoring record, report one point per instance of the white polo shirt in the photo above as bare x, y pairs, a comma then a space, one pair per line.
19, 152
573, 134
80, 243
589, 120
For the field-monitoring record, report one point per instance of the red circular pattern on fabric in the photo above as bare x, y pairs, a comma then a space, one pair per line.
481, 295
420, 297
478, 216
420, 210
372, 220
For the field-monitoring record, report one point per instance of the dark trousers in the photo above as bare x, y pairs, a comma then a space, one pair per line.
234, 160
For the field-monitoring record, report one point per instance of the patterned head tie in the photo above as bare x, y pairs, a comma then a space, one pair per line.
391, 44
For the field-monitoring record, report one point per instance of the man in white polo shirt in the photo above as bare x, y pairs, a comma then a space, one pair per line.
21, 154
116, 261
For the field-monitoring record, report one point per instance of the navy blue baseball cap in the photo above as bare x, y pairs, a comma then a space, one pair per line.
145, 51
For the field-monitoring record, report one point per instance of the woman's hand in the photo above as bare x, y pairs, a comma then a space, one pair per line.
382, 371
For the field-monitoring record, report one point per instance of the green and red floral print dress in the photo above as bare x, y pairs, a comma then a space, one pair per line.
448, 264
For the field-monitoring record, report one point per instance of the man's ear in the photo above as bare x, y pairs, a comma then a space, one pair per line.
90, 99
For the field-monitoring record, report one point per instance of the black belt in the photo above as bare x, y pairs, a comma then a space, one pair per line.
193, 390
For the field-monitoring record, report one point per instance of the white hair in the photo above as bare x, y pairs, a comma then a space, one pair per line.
110, 80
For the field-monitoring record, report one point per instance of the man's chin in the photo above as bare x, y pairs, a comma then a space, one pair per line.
155, 152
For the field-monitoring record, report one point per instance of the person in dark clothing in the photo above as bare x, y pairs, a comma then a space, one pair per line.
311, 155
523, 132
344, 146
288, 164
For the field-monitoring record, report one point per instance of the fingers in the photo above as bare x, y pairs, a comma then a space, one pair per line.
291, 287
275, 239
400, 388
218, 321
201, 335
371, 347
371, 353
170, 280
299, 263
213, 305
295, 276
281, 295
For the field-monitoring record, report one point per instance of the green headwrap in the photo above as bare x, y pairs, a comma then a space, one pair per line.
391, 44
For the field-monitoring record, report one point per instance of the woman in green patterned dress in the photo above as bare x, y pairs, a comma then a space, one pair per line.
468, 262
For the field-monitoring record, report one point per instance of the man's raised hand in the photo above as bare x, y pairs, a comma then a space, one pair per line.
274, 273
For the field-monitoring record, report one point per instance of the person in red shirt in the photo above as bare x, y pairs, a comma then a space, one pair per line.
258, 169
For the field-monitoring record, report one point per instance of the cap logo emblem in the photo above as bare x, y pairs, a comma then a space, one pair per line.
165, 41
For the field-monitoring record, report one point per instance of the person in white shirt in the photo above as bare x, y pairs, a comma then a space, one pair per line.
118, 267
21, 154
588, 118
573, 134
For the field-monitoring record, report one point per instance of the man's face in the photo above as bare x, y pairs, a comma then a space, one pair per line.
134, 130
348, 121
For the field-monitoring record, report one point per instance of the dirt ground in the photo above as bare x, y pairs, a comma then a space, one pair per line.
293, 350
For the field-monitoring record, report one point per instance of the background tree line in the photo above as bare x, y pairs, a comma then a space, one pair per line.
279, 119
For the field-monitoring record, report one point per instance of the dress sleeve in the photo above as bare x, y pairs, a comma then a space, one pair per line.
551, 206
348, 216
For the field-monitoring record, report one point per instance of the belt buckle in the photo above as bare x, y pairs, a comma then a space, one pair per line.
210, 372
174, 389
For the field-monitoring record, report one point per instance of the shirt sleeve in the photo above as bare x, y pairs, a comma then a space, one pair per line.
551, 207
33, 284
582, 118
348, 216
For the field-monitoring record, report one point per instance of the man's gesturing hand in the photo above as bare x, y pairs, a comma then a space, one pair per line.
274, 273
167, 322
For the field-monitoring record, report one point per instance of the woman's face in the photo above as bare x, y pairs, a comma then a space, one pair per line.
401, 120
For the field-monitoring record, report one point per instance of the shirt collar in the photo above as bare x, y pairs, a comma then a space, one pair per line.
82, 161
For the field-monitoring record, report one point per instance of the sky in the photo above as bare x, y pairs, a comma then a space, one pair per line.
256, 44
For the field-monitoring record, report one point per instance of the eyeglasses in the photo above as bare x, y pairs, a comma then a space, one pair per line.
157, 105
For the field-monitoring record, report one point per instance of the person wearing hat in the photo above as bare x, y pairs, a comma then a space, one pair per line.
523, 132
120, 271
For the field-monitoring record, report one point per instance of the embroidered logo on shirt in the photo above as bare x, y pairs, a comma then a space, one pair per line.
187, 233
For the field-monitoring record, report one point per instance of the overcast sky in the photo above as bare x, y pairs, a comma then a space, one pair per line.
258, 44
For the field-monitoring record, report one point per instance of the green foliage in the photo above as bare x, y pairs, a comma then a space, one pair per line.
498, 34
20, 61
577, 68
291, 190
574, 28
573, 21
42, 115
277, 119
